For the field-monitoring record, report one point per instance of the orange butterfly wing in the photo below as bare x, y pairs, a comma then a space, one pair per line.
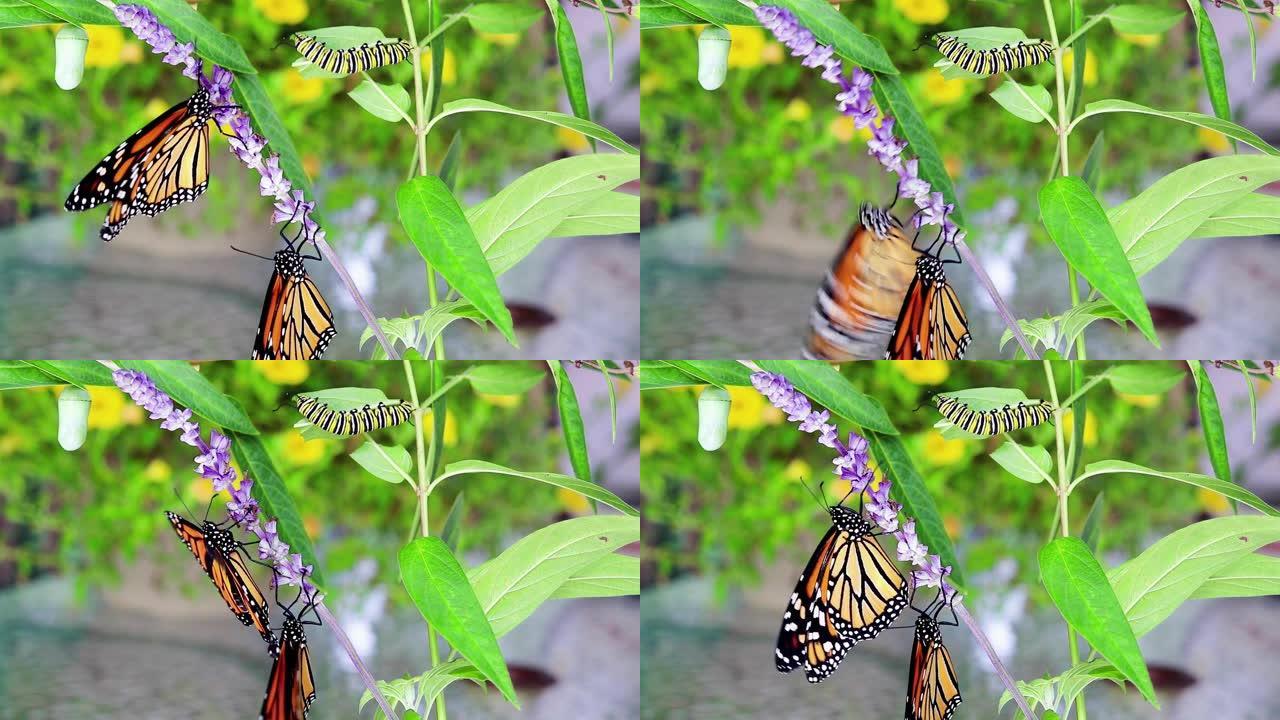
904, 344
290, 686
296, 321
230, 574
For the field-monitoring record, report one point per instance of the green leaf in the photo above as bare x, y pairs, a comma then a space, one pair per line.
716, 12
613, 575
1156, 582
613, 213
440, 590
1092, 172
655, 374
188, 25
1092, 532
1029, 102
76, 12
909, 489
345, 37
388, 102
894, 99
1148, 378
1215, 435
390, 462
1215, 72
582, 487
24, 16
253, 97
575, 433
1222, 487
1079, 588
1031, 463
1253, 402
827, 387
1209, 122
522, 577
1155, 222
716, 372
660, 14
77, 372
190, 389
436, 225
575, 86
270, 492
451, 533
1062, 691
1142, 19
1248, 216
1081, 230
449, 165
20, 374
510, 224
501, 18
504, 378
832, 28
1253, 575
590, 129
1059, 333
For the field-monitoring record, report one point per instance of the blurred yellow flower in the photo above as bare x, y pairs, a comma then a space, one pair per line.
1212, 502
797, 470
649, 442
1213, 141
501, 39
572, 140
841, 128
924, 372
448, 68
1090, 66
772, 54
106, 408
651, 81
923, 12
155, 106
297, 89
283, 372
941, 91
797, 110
105, 45
9, 81
953, 164
157, 470
200, 489
1142, 401
1090, 426
450, 436
132, 414
942, 451
300, 451
311, 524
1143, 40
746, 47
502, 401
952, 525
311, 164
10, 443
131, 53
748, 409
285, 12
573, 503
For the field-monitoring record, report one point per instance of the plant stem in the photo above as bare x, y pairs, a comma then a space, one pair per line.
365, 677
448, 22
1001, 671
1085, 27
1003, 310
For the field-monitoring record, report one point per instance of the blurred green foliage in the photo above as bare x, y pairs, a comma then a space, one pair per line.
89, 511
772, 132
733, 511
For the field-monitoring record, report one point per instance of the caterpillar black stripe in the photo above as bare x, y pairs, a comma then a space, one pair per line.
355, 421
993, 422
351, 60
994, 60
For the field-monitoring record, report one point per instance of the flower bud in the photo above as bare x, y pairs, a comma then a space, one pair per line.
69, 47
713, 417
73, 417
713, 56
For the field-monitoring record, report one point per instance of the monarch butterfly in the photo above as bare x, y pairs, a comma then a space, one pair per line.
931, 325
220, 556
933, 693
863, 289
995, 60
993, 422
291, 688
296, 322
161, 165
351, 60
352, 422
849, 592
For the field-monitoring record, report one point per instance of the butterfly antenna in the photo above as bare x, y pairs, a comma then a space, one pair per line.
815, 495
184, 502
254, 254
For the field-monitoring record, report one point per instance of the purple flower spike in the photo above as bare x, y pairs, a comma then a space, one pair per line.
274, 183
910, 549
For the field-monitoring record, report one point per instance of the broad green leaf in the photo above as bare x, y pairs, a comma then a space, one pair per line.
1062, 691
270, 492
1147, 378
610, 576
1248, 216
614, 213
345, 37
449, 165
716, 12
1080, 228
253, 97
1215, 435
1029, 102
24, 16
1092, 172
76, 12
1079, 588
894, 99
908, 488
451, 532
1253, 575
504, 378
1209, 122
1031, 463
188, 25
655, 374
575, 86
77, 372
1142, 19
582, 487
1156, 582
439, 588
522, 577
1211, 66
827, 387
575, 433
20, 374
1059, 333
388, 102
716, 372
385, 462
440, 230
1222, 487
424, 689
510, 224
1092, 532
190, 389
502, 18
660, 14
590, 129
831, 28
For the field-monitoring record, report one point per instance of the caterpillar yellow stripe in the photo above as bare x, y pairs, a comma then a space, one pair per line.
355, 421
994, 60
350, 60
993, 422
